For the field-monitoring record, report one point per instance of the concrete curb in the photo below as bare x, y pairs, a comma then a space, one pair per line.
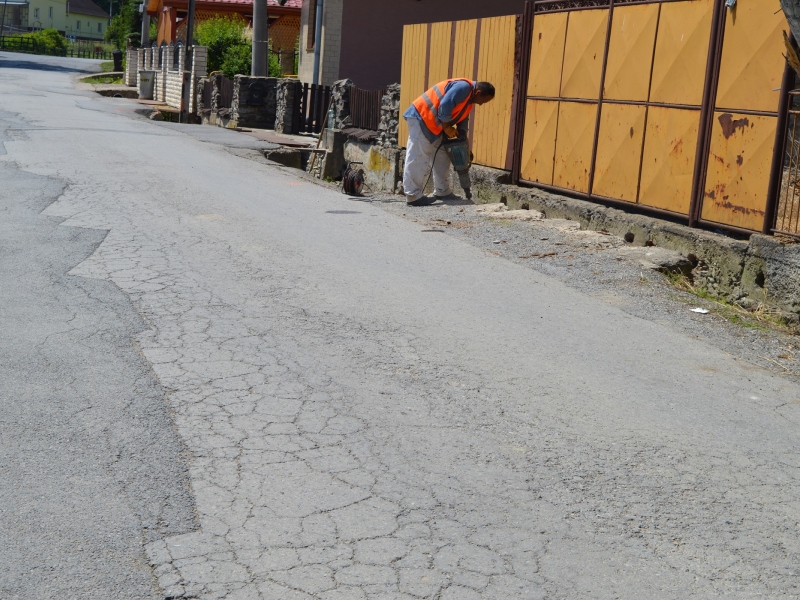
763, 270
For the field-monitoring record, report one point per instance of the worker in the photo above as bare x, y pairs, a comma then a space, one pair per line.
443, 109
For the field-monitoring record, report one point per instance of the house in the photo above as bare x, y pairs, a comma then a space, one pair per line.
86, 20
47, 14
363, 39
284, 21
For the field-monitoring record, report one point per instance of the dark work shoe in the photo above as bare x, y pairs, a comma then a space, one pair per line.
424, 201
450, 196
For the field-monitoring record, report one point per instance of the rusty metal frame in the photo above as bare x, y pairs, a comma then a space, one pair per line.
779, 149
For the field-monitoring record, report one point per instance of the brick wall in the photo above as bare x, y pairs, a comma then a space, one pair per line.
331, 43
165, 66
173, 88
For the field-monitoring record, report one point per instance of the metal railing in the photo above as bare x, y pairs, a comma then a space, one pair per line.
365, 108
310, 107
787, 217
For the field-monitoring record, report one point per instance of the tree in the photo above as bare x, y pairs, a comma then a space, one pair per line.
125, 24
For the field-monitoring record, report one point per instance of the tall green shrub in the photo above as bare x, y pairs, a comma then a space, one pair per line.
229, 48
226, 42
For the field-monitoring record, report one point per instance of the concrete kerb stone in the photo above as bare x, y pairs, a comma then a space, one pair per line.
763, 270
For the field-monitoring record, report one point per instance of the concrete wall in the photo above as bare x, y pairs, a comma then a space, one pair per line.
372, 32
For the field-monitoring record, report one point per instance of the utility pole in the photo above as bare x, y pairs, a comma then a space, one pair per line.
260, 34
145, 38
188, 90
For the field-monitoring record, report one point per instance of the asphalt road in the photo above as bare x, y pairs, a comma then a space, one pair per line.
329, 403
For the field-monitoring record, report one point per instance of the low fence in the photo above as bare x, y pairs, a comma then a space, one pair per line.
311, 108
225, 96
677, 107
365, 108
29, 46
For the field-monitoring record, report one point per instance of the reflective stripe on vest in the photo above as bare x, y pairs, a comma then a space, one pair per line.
428, 106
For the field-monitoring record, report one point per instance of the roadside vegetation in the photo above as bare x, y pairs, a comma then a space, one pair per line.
759, 317
229, 42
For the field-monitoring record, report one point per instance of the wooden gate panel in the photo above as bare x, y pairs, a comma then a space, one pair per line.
495, 64
630, 52
670, 148
415, 43
464, 54
583, 54
679, 66
440, 53
738, 169
752, 57
547, 54
539, 147
573, 159
619, 151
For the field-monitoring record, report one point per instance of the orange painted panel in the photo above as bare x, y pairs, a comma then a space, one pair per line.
539, 143
679, 68
412, 75
464, 56
583, 54
440, 52
738, 170
630, 52
752, 56
547, 54
619, 151
576, 123
495, 64
670, 147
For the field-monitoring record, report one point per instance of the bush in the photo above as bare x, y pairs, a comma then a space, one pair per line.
127, 23
221, 35
230, 47
237, 60
49, 39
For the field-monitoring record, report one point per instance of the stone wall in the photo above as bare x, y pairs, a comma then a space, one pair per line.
254, 102
285, 91
390, 116
340, 103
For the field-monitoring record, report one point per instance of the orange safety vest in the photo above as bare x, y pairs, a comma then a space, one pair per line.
428, 106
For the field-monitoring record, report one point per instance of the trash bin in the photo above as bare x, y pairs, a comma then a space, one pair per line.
147, 80
117, 54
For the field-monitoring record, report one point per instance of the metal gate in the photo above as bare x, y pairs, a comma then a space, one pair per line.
675, 106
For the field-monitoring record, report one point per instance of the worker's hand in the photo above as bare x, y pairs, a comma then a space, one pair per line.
450, 131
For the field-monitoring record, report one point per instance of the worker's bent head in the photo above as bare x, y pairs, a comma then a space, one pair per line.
484, 92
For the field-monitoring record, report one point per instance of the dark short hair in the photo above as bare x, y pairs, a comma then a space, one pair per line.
485, 88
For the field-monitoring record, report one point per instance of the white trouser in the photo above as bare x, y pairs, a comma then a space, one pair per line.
419, 156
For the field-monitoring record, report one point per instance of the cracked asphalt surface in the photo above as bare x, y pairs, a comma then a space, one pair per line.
348, 408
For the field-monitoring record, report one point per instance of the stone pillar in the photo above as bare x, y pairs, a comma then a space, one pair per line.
254, 101
199, 71
340, 103
131, 64
390, 116
285, 92
166, 65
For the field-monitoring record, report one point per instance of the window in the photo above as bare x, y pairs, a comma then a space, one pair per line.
78, 26
99, 28
312, 24
35, 13
51, 12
